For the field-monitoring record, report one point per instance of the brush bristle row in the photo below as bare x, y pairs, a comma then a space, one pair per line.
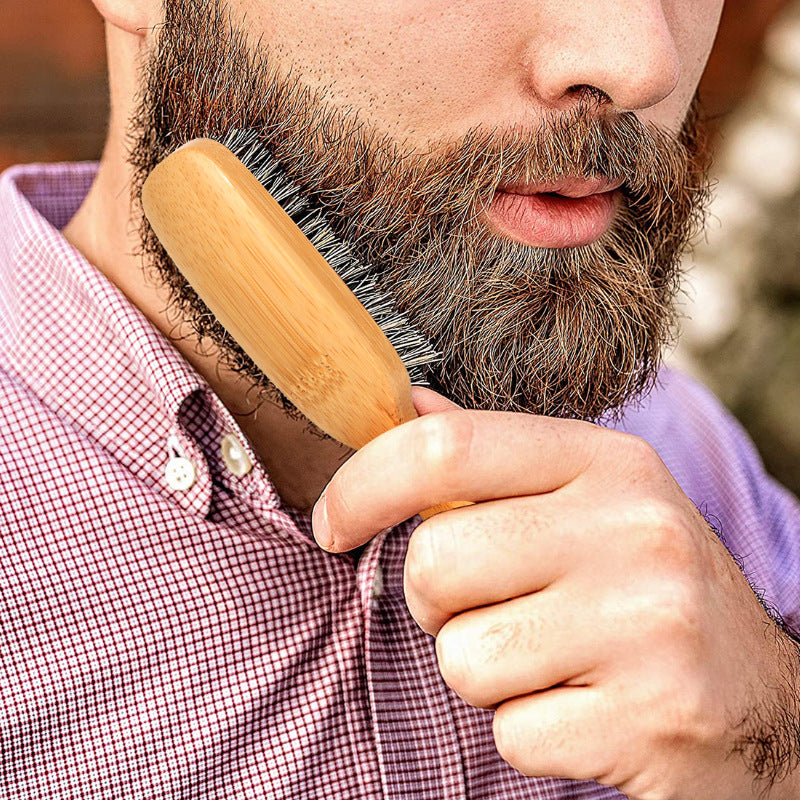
414, 349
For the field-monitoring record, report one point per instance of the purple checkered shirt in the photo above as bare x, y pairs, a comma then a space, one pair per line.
166, 636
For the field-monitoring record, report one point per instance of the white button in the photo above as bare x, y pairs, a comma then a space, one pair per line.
235, 456
180, 474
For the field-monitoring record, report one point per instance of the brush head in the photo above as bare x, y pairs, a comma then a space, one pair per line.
414, 349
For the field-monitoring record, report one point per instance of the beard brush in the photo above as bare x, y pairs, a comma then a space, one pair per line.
287, 288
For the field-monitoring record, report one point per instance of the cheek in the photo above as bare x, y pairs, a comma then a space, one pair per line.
424, 70
414, 68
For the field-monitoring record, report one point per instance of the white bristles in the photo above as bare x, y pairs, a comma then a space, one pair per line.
414, 349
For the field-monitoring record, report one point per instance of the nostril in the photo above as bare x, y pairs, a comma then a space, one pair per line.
585, 91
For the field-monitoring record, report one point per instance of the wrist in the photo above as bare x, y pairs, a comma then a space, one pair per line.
768, 738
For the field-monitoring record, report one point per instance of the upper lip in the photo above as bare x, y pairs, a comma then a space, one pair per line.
567, 187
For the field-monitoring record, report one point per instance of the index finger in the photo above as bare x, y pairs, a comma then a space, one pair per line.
444, 456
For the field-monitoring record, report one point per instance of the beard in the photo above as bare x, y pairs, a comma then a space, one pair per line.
572, 332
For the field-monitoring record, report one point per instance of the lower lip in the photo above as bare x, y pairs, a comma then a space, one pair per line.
551, 220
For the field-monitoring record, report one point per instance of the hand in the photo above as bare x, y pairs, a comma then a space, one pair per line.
585, 598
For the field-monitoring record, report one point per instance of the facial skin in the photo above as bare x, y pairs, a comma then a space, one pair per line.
423, 70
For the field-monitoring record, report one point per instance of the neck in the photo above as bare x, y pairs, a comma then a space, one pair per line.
298, 461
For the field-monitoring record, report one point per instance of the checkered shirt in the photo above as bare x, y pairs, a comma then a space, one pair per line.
167, 638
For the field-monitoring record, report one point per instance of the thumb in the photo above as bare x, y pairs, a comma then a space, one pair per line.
355, 502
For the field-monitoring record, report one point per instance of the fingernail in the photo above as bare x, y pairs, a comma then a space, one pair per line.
319, 523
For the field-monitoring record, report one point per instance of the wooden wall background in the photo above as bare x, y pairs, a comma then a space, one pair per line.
53, 89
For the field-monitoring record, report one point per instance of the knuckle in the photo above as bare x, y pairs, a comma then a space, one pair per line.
673, 549
703, 726
683, 714
638, 455
464, 665
670, 619
480, 661
682, 623
501, 639
659, 519
685, 718
420, 564
444, 442
663, 529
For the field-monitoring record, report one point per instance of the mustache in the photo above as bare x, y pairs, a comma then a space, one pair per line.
446, 185
440, 192
583, 142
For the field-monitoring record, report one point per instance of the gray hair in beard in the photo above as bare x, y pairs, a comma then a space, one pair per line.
574, 332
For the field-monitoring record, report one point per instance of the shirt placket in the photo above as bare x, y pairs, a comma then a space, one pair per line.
350, 647
416, 738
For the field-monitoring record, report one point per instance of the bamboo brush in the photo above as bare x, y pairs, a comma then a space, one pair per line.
252, 248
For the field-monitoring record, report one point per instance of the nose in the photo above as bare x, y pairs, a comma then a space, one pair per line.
623, 50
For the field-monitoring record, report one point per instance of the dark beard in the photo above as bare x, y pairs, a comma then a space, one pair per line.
574, 332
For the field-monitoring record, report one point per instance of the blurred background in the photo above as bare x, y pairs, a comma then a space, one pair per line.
741, 306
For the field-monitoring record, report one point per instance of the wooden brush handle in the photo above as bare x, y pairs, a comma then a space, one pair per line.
432, 512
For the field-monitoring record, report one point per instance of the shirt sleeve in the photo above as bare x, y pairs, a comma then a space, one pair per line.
770, 550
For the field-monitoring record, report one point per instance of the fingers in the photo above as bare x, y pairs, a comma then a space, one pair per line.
567, 732
450, 455
525, 645
489, 553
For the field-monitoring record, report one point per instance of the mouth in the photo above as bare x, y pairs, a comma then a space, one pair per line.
572, 212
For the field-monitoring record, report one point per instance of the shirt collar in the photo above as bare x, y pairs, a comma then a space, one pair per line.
78, 343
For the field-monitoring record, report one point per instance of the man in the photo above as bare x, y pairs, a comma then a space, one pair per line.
522, 176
